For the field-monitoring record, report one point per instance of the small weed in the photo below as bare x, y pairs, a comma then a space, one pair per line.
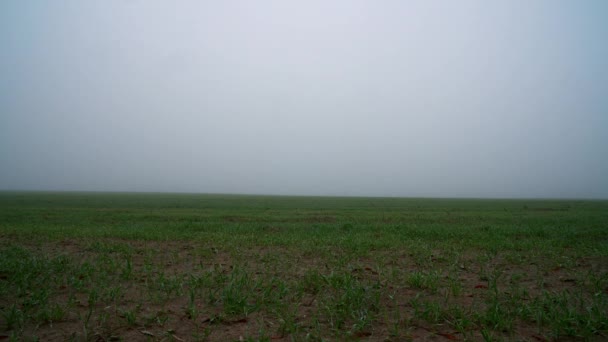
130, 316
13, 317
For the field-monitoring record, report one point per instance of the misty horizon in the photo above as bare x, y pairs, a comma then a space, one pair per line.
278, 195
320, 98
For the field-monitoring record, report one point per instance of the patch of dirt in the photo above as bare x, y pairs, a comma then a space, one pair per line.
306, 219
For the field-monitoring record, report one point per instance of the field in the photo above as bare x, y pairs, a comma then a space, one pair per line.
188, 267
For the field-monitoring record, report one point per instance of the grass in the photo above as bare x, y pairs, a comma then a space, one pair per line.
110, 266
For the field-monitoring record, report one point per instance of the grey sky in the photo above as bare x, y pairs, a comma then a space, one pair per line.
386, 98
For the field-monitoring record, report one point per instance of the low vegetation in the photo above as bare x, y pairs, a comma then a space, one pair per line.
186, 267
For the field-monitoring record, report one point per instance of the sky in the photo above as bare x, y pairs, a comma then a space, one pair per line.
428, 98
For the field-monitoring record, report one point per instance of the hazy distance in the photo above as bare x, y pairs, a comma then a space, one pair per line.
381, 98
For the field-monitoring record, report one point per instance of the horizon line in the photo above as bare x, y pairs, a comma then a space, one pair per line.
151, 192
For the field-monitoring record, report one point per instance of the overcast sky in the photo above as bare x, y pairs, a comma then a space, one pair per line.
383, 98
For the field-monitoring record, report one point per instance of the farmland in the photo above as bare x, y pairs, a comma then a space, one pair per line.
194, 267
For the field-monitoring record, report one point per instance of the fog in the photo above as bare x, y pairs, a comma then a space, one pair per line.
357, 98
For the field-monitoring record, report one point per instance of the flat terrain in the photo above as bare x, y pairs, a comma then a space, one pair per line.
186, 267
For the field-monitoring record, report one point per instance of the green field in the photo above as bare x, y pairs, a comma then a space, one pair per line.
186, 267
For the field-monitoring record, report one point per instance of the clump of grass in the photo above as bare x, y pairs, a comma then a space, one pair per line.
424, 280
